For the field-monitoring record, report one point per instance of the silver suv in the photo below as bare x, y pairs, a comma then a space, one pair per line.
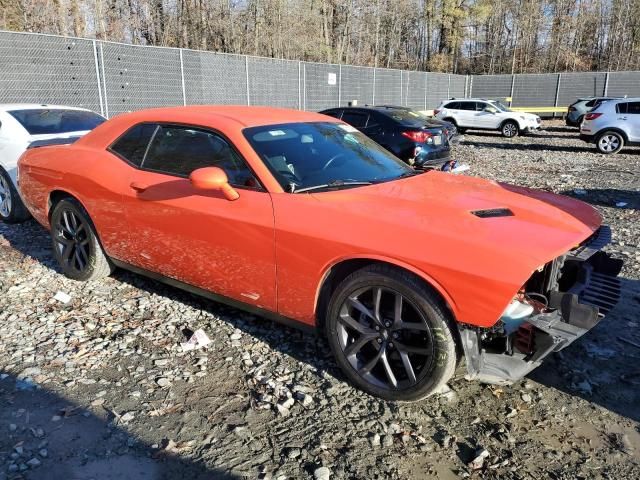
613, 124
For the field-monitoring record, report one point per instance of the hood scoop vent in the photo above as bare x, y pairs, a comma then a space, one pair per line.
493, 212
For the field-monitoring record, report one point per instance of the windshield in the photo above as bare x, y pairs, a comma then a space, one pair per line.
323, 155
500, 106
54, 121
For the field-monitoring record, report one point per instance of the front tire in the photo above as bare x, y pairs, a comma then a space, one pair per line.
609, 142
391, 334
12, 210
510, 129
76, 246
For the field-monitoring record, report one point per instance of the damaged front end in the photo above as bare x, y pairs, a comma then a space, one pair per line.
559, 303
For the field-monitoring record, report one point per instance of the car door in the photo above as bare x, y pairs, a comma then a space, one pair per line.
633, 121
200, 237
466, 114
484, 118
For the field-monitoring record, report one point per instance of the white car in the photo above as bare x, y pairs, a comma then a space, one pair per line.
482, 114
25, 126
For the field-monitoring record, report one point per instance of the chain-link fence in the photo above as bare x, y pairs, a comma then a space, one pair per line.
554, 89
112, 78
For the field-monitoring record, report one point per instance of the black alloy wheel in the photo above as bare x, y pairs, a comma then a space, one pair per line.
391, 334
75, 244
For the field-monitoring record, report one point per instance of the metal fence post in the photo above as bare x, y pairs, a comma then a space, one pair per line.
470, 95
104, 83
555, 103
449, 85
606, 84
95, 57
426, 88
304, 85
406, 90
373, 99
246, 72
340, 85
513, 84
184, 92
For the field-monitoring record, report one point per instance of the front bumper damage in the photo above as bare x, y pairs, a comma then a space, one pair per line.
580, 289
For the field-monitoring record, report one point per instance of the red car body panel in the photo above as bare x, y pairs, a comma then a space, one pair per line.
272, 249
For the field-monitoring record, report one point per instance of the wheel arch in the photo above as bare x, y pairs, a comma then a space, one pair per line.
55, 196
341, 269
625, 137
511, 120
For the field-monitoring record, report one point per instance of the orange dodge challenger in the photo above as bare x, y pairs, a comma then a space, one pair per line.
299, 217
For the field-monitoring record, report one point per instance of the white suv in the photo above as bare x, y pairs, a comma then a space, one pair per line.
612, 125
482, 114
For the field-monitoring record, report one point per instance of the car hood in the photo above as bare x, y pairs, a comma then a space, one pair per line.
529, 116
538, 225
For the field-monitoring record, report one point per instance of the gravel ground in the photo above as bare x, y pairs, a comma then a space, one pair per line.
99, 387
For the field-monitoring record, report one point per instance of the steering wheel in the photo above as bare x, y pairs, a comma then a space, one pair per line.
331, 160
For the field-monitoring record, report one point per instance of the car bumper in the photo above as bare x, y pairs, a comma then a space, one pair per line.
532, 126
571, 314
432, 158
587, 137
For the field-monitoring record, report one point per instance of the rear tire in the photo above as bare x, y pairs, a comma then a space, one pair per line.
76, 246
510, 129
12, 210
609, 142
391, 334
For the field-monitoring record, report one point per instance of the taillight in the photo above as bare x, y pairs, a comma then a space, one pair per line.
436, 111
592, 116
419, 136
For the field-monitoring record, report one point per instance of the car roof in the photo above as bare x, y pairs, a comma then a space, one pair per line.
376, 108
246, 116
625, 99
8, 107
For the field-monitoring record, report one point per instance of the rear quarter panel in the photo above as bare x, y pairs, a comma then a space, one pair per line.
95, 177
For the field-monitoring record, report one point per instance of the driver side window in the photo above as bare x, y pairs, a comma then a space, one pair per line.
177, 150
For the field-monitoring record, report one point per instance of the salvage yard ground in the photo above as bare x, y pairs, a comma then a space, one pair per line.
99, 387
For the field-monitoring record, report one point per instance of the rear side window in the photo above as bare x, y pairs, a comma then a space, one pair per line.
181, 150
332, 113
453, 105
467, 106
622, 107
355, 119
42, 121
133, 144
633, 108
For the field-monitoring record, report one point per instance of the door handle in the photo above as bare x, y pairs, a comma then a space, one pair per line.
138, 187
622, 118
